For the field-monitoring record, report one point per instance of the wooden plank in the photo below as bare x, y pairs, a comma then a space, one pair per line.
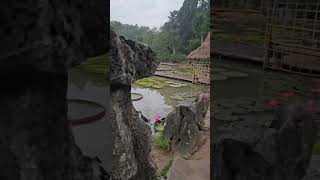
226, 10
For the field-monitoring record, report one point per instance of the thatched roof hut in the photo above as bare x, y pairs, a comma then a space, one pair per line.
202, 52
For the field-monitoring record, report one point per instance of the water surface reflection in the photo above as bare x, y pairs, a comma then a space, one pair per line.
94, 139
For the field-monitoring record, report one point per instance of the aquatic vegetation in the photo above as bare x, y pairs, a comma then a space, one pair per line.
219, 74
162, 141
182, 96
226, 117
158, 83
99, 64
273, 103
136, 96
234, 74
218, 77
218, 70
229, 110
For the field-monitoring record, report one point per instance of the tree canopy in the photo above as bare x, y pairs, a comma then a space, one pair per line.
183, 32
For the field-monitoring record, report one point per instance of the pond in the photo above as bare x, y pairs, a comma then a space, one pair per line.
161, 95
248, 93
93, 138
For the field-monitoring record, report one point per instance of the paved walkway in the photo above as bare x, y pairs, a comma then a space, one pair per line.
314, 168
198, 167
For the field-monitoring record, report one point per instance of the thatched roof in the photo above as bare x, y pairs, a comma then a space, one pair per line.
202, 52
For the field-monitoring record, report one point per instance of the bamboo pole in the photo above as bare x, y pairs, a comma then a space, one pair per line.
315, 22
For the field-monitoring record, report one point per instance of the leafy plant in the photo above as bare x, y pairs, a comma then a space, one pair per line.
181, 34
162, 141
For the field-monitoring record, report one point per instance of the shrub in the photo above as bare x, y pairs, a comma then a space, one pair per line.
162, 141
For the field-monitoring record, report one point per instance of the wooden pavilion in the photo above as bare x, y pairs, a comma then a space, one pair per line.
200, 60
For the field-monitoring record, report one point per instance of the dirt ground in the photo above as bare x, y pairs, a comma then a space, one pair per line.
196, 166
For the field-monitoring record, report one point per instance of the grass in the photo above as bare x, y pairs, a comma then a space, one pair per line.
162, 141
99, 64
165, 169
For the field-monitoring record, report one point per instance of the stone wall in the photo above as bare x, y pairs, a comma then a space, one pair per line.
280, 151
40, 41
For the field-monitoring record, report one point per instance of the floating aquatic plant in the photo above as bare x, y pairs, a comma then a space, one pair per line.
158, 83
99, 64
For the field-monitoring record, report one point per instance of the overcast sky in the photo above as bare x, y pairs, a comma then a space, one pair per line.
152, 13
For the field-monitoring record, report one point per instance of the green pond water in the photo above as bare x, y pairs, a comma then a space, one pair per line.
161, 95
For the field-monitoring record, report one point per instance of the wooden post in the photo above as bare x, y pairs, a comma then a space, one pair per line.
268, 36
315, 24
193, 72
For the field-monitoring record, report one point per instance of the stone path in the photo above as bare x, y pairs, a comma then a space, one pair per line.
314, 169
190, 169
198, 166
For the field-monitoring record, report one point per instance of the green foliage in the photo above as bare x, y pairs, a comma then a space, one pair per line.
165, 169
99, 64
177, 37
177, 57
162, 141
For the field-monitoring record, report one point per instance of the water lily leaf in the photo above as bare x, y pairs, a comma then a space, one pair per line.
175, 85
235, 74
218, 77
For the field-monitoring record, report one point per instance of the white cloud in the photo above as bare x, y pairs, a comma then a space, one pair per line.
152, 13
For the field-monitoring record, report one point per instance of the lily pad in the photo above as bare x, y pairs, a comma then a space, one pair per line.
226, 103
226, 117
157, 86
235, 74
239, 111
216, 69
175, 85
218, 77
169, 82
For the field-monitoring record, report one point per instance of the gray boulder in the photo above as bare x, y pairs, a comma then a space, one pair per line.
40, 41
183, 126
281, 151
130, 61
51, 35
131, 136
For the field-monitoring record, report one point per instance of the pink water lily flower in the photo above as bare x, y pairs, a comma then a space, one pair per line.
287, 95
273, 103
158, 118
311, 107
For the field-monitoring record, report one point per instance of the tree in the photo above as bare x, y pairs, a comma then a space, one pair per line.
183, 32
